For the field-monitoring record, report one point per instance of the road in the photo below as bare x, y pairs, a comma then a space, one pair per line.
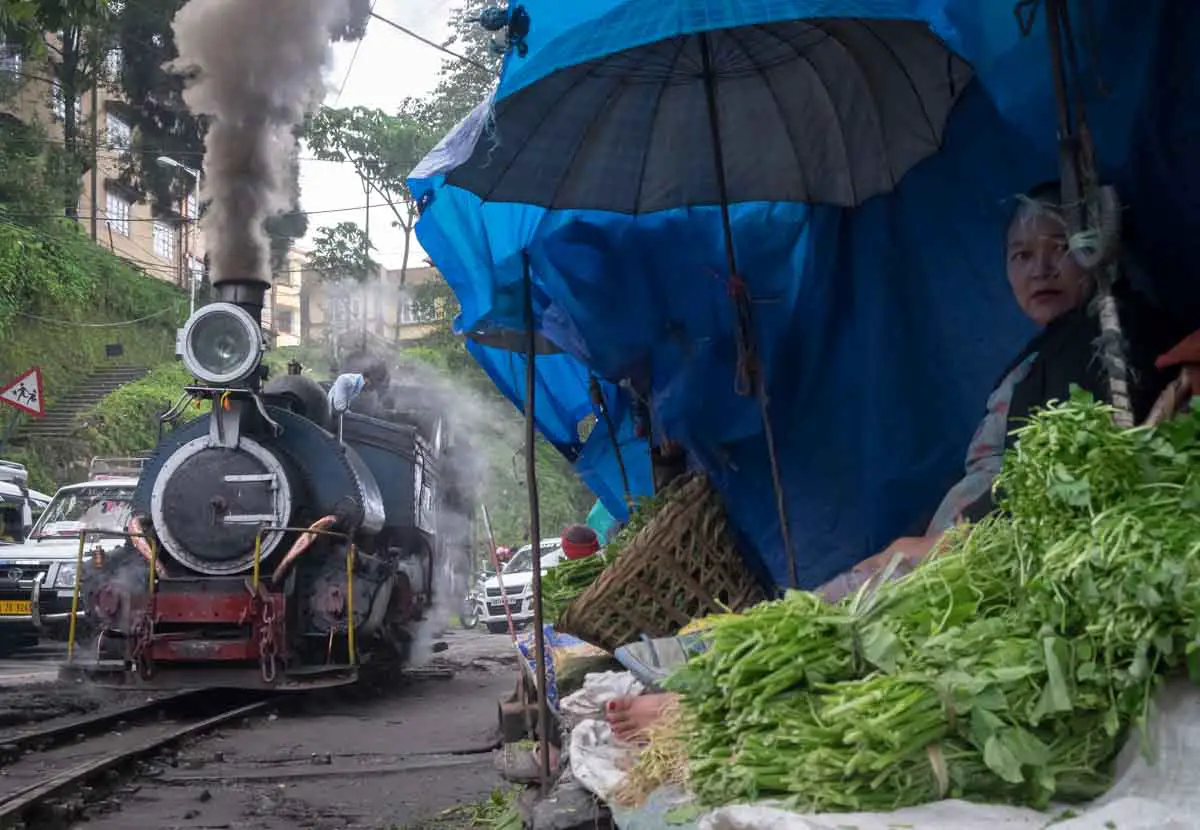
340, 760
32, 666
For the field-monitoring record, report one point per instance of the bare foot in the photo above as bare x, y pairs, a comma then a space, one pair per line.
630, 717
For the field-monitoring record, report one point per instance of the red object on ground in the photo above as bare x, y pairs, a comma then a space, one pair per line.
579, 542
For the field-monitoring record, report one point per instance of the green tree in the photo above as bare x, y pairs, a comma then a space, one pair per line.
73, 37
342, 252
383, 149
434, 300
461, 84
163, 124
36, 177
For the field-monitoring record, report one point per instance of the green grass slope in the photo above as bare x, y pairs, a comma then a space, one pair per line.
62, 301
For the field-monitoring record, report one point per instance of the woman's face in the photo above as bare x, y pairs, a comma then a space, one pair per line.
1045, 278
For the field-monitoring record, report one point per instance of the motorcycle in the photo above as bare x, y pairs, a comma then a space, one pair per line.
472, 608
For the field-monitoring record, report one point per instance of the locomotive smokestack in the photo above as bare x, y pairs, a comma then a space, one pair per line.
254, 67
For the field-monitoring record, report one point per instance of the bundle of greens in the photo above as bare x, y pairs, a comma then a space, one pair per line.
568, 580
1008, 668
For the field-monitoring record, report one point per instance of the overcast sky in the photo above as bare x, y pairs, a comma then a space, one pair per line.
388, 67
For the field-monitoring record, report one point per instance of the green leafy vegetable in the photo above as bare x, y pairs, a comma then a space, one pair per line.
1009, 668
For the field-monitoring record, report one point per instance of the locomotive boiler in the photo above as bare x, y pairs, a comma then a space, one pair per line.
274, 542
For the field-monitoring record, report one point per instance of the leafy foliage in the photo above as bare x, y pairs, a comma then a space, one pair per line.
342, 251
434, 300
461, 85
82, 36
163, 124
383, 149
126, 421
36, 178
54, 270
57, 290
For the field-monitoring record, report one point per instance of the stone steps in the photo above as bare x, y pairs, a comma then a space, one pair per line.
61, 419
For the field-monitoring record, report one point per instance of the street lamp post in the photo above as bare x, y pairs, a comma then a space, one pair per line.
167, 161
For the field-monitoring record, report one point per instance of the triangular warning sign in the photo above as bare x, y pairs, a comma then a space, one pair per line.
25, 393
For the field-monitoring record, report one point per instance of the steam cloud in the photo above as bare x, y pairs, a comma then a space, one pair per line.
255, 68
415, 388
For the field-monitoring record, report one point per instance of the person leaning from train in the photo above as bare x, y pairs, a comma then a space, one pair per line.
349, 386
1055, 292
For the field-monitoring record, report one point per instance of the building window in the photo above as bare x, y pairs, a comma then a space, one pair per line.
283, 321
117, 210
114, 63
195, 269
119, 133
59, 105
164, 241
407, 313
10, 59
193, 206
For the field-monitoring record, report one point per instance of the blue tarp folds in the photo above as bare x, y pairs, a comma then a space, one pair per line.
561, 401
882, 328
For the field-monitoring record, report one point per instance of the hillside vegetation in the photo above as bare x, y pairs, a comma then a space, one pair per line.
63, 300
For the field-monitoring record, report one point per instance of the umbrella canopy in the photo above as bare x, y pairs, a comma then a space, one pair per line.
830, 111
882, 327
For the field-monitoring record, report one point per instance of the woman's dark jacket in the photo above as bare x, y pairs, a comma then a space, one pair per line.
1068, 355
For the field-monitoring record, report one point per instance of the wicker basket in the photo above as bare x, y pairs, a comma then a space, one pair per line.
683, 565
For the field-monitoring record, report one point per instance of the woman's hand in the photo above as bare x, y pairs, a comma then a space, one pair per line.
912, 550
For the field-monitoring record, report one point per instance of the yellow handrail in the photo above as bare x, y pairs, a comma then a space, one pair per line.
351, 552
83, 534
75, 598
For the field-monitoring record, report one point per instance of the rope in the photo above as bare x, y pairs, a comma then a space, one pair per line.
1092, 212
73, 324
749, 379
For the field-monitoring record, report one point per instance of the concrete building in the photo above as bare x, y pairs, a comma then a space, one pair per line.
380, 310
165, 245
284, 310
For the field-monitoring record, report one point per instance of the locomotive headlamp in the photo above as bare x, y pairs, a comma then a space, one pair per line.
221, 344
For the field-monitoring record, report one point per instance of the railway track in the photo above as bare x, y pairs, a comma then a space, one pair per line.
44, 765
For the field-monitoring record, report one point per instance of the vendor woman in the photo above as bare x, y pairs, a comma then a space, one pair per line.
1054, 292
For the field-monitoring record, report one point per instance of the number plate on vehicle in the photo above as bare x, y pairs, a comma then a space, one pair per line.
13, 607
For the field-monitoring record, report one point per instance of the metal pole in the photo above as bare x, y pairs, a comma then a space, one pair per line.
535, 530
95, 183
487, 525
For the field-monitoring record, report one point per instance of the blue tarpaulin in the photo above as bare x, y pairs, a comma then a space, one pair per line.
882, 328
561, 401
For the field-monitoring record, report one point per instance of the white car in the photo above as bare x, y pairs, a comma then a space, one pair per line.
37, 577
517, 576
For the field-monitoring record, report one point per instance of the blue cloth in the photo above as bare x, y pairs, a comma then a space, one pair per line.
881, 328
344, 390
562, 399
601, 521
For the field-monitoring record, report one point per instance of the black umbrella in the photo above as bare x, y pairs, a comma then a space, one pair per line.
830, 111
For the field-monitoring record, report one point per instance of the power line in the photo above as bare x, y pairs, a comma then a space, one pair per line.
353, 58
72, 324
429, 42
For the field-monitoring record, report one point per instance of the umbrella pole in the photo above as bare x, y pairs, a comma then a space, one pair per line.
598, 398
535, 533
742, 306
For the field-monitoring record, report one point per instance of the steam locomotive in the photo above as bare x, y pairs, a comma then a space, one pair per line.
274, 542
